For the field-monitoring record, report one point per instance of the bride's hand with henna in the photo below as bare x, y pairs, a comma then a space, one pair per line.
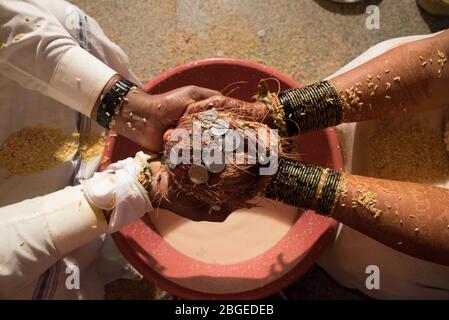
258, 110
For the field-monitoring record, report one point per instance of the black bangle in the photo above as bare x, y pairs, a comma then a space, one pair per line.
296, 184
112, 100
329, 193
316, 106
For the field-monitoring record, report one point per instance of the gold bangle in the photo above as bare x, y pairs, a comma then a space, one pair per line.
319, 189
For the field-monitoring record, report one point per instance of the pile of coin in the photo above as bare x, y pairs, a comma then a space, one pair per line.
214, 158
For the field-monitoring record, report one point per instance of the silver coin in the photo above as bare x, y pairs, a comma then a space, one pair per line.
263, 159
214, 158
210, 114
207, 136
232, 141
198, 174
173, 158
215, 167
219, 127
206, 125
208, 117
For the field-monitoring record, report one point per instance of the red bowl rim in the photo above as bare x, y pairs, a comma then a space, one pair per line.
298, 270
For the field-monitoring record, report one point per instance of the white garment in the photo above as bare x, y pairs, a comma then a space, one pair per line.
401, 276
118, 189
55, 56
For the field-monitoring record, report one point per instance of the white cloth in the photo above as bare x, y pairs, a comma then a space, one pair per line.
34, 93
36, 233
401, 276
118, 189
61, 70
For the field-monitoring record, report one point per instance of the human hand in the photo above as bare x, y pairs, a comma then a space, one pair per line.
227, 187
164, 194
257, 110
143, 118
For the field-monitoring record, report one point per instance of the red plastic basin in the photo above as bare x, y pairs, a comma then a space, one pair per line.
286, 261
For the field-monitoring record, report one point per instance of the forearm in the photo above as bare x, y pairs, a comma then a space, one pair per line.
411, 218
36, 233
135, 117
408, 78
142, 117
37, 52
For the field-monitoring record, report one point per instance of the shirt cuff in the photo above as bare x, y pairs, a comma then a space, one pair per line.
79, 80
72, 221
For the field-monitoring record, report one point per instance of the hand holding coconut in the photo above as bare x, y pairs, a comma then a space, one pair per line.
408, 217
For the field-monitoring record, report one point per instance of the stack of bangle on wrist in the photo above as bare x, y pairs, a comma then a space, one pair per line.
329, 193
316, 106
112, 100
298, 184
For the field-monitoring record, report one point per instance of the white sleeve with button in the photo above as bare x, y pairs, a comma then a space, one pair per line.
37, 52
35, 233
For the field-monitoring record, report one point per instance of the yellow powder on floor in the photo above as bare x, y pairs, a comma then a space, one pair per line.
91, 146
408, 150
36, 149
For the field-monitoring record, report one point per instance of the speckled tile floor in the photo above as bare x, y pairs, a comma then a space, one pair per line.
307, 39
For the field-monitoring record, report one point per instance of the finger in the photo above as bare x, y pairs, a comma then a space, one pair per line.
203, 105
200, 93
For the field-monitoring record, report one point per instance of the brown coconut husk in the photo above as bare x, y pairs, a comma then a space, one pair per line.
237, 184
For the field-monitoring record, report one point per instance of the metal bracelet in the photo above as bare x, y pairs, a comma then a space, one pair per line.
316, 106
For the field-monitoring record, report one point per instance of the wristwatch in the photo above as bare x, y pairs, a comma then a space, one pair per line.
112, 100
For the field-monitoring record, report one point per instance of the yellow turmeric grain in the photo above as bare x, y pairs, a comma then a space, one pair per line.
31, 150
409, 150
35, 149
91, 146
367, 201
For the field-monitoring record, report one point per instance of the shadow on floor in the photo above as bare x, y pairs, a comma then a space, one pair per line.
435, 23
316, 284
347, 8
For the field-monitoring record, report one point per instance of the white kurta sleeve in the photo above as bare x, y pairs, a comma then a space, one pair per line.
37, 52
35, 233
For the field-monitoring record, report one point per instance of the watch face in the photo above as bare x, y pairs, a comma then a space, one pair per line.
121, 86
125, 85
